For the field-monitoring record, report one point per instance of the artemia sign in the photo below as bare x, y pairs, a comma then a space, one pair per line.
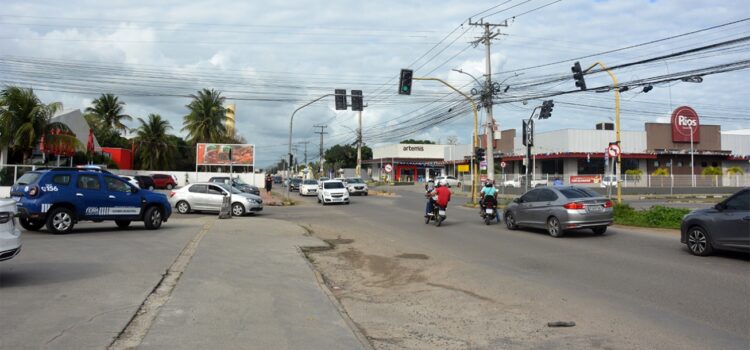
684, 122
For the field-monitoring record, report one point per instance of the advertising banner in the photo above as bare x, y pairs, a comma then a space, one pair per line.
463, 168
685, 122
219, 153
585, 179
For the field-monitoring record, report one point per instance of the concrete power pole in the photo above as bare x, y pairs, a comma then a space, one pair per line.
321, 132
486, 39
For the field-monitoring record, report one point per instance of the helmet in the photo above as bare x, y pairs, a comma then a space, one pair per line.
488, 183
442, 182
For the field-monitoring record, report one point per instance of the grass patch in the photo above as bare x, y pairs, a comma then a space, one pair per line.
657, 216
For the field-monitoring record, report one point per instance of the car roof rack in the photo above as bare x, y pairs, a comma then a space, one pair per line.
74, 169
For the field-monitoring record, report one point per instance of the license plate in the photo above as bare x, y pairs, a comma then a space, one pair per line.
595, 209
488, 211
441, 212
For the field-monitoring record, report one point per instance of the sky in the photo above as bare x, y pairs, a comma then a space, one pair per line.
269, 58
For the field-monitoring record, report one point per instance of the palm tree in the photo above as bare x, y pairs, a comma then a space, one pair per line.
109, 110
26, 120
735, 170
155, 150
205, 123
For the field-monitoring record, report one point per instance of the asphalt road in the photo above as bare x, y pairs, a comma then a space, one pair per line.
641, 286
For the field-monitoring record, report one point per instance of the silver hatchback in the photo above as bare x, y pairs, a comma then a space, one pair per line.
557, 209
209, 196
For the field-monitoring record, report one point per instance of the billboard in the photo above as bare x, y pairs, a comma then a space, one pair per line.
218, 154
685, 122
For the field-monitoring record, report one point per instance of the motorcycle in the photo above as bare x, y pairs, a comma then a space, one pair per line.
438, 214
489, 212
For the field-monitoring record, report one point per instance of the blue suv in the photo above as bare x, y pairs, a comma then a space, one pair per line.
61, 197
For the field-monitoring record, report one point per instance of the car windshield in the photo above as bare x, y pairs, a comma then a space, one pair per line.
333, 185
296, 181
230, 189
578, 192
355, 181
310, 182
28, 178
239, 181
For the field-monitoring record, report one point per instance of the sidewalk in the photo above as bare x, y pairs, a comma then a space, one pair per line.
248, 287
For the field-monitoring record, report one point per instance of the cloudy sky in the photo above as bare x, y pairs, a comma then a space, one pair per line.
271, 57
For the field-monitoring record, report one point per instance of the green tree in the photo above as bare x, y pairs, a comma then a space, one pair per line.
156, 151
712, 170
107, 136
340, 156
735, 170
419, 142
661, 172
24, 119
205, 122
109, 110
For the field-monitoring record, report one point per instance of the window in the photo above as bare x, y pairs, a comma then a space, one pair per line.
331, 185
215, 190
714, 164
552, 166
656, 163
28, 178
594, 166
629, 164
116, 185
88, 182
531, 196
679, 163
704, 164
578, 192
547, 196
198, 189
61, 180
739, 202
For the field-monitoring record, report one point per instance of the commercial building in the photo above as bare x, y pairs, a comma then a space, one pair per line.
418, 162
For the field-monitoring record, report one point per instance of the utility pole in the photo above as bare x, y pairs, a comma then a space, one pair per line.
304, 143
321, 132
486, 39
359, 145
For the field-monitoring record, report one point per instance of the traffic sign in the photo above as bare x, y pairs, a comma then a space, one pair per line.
503, 164
388, 168
613, 150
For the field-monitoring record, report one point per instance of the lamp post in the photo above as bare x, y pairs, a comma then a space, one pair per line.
291, 121
489, 133
692, 159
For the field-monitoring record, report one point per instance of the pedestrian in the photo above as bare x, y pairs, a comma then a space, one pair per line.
269, 183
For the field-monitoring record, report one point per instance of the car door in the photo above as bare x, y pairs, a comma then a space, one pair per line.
197, 196
541, 208
90, 199
525, 204
733, 222
123, 201
214, 197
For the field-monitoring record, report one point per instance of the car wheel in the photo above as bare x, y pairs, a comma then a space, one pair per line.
169, 186
553, 227
153, 218
510, 221
698, 242
60, 220
238, 209
122, 223
183, 207
30, 225
599, 230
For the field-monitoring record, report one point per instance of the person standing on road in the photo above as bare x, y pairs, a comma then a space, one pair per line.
269, 183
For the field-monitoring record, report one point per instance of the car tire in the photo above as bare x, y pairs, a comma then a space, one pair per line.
153, 218
599, 230
30, 225
183, 207
553, 227
60, 220
122, 223
238, 209
698, 241
510, 221
169, 186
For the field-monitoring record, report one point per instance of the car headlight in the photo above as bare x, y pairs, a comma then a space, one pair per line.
326, 193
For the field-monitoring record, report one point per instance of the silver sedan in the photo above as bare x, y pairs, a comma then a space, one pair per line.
560, 208
209, 196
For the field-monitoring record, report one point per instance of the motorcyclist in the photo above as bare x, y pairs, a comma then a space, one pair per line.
488, 197
431, 196
443, 194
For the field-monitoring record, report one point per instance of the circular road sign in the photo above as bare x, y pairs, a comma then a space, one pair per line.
388, 168
614, 150
503, 164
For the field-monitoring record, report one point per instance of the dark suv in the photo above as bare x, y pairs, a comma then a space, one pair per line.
61, 197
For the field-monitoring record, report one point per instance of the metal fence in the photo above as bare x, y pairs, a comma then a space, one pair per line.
628, 181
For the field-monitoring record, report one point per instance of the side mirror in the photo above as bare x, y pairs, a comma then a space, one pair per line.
720, 206
518, 200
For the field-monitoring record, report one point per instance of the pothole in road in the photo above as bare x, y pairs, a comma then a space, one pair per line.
413, 256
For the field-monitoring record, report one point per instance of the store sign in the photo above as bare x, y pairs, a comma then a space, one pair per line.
684, 122
414, 148
585, 179
463, 168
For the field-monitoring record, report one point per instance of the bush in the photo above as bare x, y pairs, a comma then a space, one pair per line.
656, 216
712, 170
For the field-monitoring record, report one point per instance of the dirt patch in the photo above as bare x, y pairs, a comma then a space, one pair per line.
413, 256
338, 241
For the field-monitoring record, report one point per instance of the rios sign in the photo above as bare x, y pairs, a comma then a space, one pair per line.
684, 121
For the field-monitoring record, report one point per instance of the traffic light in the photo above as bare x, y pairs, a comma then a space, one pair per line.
528, 133
404, 84
291, 160
578, 76
357, 100
479, 154
340, 99
546, 109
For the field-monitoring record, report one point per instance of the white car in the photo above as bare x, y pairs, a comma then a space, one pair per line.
209, 196
450, 180
10, 235
131, 180
356, 185
308, 188
332, 191
608, 180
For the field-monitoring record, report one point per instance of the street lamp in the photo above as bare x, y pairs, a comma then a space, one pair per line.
692, 159
486, 98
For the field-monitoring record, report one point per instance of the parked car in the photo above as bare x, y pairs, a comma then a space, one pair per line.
356, 185
238, 183
323, 178
277, 179
342, 179
308, 188
10, 235
145, 182
450, 180
61, 197
520, 182
332, 191
294, 184
725, 226
608, 180
208, 196
131, 180
560, 208
164, 181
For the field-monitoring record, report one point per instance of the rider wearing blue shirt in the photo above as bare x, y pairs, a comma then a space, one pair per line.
489, 197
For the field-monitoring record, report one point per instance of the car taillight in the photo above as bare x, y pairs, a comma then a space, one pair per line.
33, 191
171, 194
574, 205
608, 204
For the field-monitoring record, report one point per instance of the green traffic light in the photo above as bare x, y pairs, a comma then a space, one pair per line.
405, 88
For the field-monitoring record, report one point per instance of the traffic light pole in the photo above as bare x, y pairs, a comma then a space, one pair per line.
528, 148
291, 123
475, 178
